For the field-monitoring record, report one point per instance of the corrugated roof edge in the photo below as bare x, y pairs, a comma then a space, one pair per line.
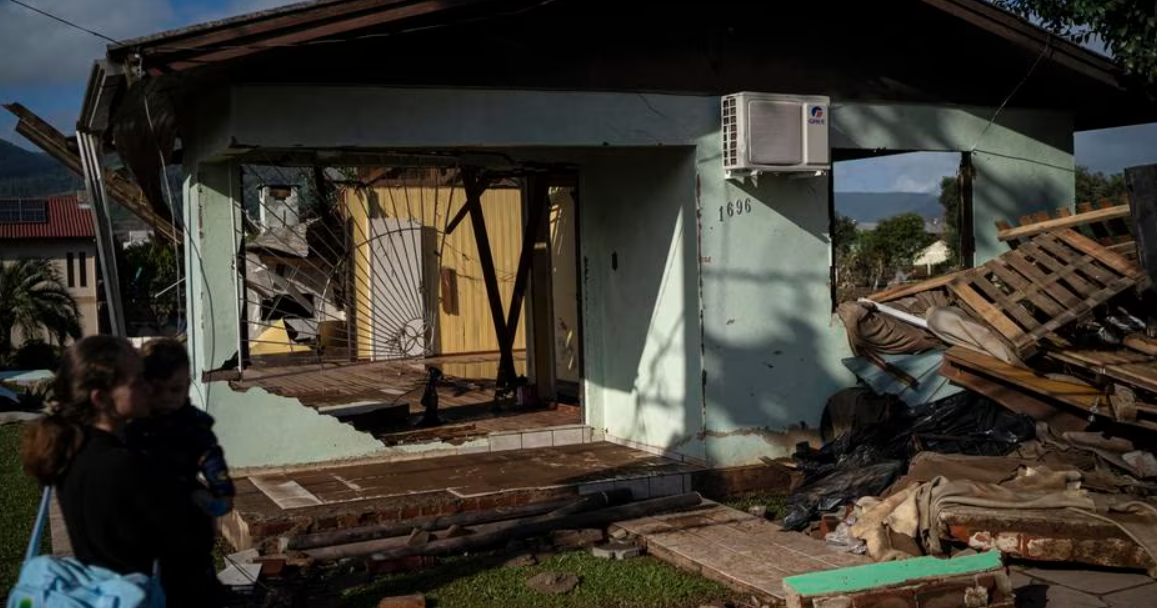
199, 28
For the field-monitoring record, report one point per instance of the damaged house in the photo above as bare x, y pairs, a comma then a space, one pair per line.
387, 200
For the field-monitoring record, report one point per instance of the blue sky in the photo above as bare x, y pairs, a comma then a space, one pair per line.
46, 65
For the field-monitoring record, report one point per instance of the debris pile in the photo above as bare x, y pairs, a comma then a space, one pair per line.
1010, 406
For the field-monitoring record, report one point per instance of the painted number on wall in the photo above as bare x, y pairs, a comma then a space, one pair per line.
734, 208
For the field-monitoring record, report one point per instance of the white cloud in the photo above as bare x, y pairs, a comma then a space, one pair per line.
38, 50
916, 183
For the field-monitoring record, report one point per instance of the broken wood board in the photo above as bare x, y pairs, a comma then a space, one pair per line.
1028, 293
904, 291
989, 370
1011, 396
1108, 212
744, 552
1123, 365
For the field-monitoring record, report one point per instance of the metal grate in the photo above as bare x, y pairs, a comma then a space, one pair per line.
730, 132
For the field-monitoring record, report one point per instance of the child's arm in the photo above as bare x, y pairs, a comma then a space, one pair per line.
216, 472
211, 459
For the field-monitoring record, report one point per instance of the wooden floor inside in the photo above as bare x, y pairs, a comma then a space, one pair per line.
466, 395
468, 380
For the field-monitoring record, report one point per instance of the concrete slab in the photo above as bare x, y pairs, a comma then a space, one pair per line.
1063, 597
1136, 597
749, 554
1095, 582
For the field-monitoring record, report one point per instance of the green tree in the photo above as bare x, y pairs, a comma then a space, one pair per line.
1126, 27
844, 235
146, 270
950, 199
1092, 186
893, 245
34, 298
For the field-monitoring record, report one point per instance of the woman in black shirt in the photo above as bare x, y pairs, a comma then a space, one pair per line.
121, 514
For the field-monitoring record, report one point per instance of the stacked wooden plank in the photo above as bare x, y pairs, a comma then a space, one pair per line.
1106, 222
1063, 269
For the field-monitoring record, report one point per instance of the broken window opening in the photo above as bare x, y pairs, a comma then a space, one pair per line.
898, 218
381, 266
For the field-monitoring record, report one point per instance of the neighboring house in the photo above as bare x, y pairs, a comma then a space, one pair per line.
936, 253
704, 306
59, 229
136, 237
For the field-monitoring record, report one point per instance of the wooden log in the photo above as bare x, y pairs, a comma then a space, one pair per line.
502, 532
470, 518
597, 500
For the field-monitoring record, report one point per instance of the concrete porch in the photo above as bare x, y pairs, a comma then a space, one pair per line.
330, 497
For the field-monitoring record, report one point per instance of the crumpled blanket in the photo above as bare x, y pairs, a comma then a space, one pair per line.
957, 327
913, 512
869, 332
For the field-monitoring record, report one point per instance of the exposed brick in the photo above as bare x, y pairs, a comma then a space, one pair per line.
721, 483
576, 539
411, 511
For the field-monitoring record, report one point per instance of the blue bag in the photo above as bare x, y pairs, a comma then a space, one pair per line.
47, 581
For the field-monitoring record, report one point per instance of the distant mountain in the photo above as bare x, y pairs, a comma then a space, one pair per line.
24, 173
870, 207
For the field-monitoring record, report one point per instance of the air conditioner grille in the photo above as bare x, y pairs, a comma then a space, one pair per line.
730, 132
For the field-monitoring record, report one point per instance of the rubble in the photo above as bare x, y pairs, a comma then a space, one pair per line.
1009, 408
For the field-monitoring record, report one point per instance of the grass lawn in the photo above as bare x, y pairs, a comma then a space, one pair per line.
474, 582
19, 499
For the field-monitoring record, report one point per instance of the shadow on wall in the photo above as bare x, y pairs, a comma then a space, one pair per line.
642, 285
772, 349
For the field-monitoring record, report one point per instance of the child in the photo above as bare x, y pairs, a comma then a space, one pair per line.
179, 439
179, 436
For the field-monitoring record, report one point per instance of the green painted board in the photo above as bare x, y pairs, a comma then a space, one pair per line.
889, 574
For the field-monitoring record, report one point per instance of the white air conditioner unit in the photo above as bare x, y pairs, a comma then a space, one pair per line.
769, 133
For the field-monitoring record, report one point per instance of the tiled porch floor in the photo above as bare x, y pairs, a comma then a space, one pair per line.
331, 497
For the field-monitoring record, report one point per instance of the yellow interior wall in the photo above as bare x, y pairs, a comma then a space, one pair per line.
471, 330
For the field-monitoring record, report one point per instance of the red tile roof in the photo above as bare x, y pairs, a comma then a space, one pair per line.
66, 219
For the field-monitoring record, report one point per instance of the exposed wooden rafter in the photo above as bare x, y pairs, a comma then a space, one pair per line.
122, 189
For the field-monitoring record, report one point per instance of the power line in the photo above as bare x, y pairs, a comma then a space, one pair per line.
64, 21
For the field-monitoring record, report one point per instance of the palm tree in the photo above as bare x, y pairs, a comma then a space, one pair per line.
34, 298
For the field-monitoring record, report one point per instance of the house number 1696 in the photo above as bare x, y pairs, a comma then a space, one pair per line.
734, 208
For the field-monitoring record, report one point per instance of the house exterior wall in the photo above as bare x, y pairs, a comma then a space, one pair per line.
711, 340
57, 251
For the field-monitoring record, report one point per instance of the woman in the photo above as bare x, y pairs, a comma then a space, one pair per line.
121, 514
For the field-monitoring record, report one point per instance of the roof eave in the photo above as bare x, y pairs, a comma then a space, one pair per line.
1022, 32
104, 86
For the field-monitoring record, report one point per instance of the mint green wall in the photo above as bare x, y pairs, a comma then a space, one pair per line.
742, 370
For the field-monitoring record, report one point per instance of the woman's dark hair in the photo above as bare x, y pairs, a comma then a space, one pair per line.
164, 357
93, 363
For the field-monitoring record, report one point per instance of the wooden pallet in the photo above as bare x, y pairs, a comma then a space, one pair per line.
1055, 278
1106, 222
